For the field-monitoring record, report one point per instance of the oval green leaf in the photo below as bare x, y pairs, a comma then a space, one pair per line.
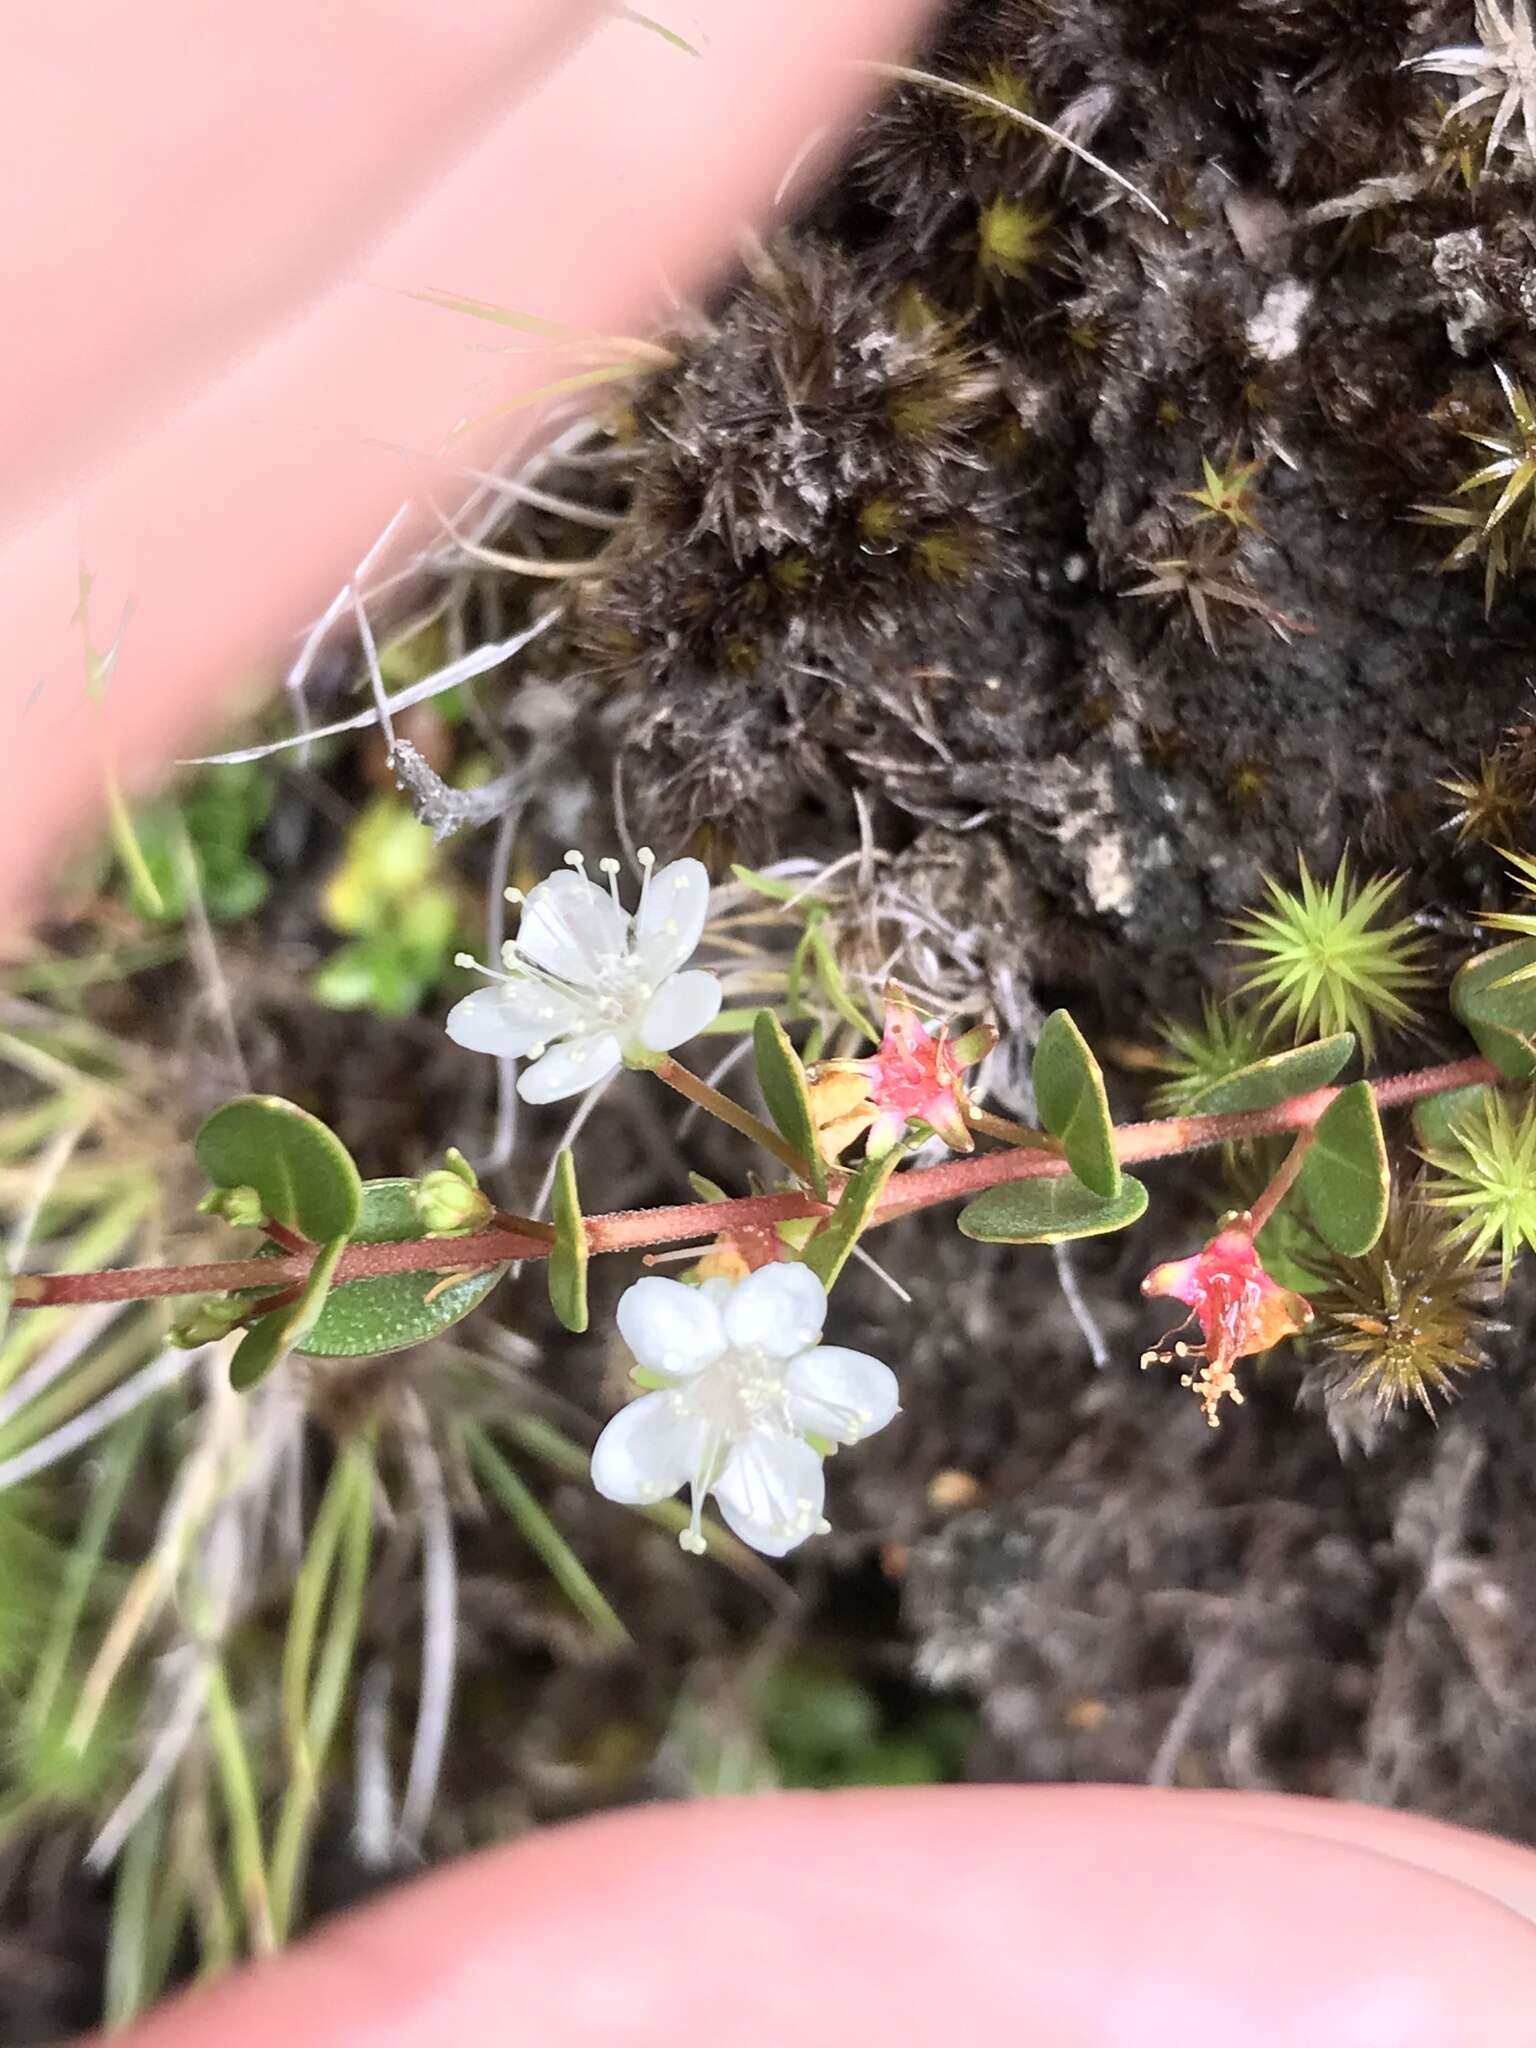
1438, 1120
1069, 1094
1051, 1211
832, 1246
568, 1254
303, 1173
263, 1347
1345, 1176
267, 1343
367, 1318
782, 1080
1276, 1078
1500, 1012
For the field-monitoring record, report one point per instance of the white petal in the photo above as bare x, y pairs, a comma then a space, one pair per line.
509, 1018
571, 1068
771, 1491
671, 918
778, 1309
647, 1451
669, 1327
683, 1004
844, 1395
570, 927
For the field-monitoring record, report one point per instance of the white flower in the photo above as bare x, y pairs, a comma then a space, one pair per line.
749, 1402
586, 985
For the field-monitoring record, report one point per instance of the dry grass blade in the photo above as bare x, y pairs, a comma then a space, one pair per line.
904, 74
476, 663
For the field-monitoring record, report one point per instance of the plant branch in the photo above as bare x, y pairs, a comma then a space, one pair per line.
732, 1113
1282, 1183
1008, 1132
635, 1229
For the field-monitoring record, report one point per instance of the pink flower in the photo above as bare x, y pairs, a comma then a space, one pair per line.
915, 1078
1239, 1308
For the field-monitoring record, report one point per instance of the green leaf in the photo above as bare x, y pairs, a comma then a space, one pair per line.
1275, 1079
782, 1080
769, 885
1500, 1013
1069, 1093
833, 986
832, 1246
303, 1173
1050, 1211
267, 1343
730, 1024
7, 1295
544, 1539
1290, 1250
1344, 1173
366, 1318
1439, 1119
568, 1255
794, 1004
264, 1345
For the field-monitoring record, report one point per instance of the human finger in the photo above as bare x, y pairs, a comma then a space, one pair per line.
236, 495
1070, 1917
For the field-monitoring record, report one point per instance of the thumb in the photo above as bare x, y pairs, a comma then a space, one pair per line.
215, 436
1065, 1917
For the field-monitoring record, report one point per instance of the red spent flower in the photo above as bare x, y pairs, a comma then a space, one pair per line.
915, 1077
1239, 1308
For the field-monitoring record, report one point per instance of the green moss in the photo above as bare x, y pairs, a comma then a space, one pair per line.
1012, 239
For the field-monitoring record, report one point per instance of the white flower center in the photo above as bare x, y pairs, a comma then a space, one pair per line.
615, 989
740, 1390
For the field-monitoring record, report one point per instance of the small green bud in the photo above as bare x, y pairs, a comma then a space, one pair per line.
208, 1320
445, 1202
455, 1162
242, 1207
973, 1045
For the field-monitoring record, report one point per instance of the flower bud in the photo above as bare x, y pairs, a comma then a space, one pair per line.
206, 1321
455, 1162
446, 1202
242, 1207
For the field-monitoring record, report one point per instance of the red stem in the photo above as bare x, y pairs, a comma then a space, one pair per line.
632, 1229
1282, 1183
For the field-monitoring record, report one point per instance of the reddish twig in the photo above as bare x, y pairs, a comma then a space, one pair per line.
635, 1229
